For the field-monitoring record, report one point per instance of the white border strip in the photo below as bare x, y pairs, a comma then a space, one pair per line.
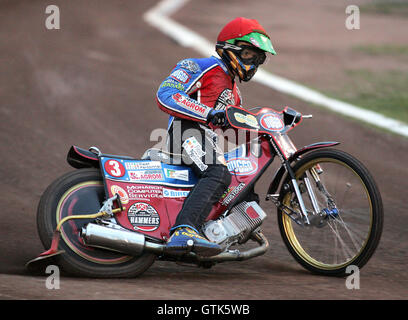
158, 16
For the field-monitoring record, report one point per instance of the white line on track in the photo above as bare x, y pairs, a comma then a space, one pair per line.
158, 16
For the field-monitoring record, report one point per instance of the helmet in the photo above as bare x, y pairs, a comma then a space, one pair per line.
243, 60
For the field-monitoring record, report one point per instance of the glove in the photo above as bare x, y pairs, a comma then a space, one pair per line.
217, 118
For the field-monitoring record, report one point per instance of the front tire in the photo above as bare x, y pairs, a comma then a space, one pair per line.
346, 237
76, 193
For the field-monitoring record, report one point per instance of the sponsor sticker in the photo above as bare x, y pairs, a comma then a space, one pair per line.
190, 105
172, 84
233, 194
242, 166
194, 150
150, 175
248, 119
169, 193
225, 98
124, 198
143, 165
176, 174
272, 122
143, 217
180, 75
144, 192
192, 145
190, 65
197, 160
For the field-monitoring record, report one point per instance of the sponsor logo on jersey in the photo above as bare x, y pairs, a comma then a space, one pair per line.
190, 104
225, 98
190, 65
173, 84
180, 75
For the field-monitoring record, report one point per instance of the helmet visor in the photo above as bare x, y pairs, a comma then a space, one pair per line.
259, 40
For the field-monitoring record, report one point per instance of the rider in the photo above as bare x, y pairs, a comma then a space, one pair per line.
195, 95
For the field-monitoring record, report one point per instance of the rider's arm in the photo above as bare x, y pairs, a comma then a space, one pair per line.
173, 98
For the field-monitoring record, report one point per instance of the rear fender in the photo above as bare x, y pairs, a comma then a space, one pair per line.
273, 187
81, 158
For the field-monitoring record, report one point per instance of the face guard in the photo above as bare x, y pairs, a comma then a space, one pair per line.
243, 60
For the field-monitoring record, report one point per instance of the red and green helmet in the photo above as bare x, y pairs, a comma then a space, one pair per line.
250, 31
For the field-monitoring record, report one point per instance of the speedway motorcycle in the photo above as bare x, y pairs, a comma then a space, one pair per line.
111, 217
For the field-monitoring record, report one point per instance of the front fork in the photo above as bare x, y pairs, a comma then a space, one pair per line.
318, 214
296, 189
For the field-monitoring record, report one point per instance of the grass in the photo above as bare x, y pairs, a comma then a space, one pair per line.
389, 7
383, 50
382, 92
385, 92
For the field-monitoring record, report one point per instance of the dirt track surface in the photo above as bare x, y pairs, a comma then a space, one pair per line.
93, 82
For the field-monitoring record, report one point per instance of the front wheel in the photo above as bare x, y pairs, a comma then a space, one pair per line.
348, 226
76, 193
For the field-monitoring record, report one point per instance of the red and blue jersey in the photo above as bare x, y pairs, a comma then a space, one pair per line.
194, 87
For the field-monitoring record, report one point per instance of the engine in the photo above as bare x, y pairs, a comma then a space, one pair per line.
237, 226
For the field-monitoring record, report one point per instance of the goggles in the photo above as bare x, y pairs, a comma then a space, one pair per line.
251, 55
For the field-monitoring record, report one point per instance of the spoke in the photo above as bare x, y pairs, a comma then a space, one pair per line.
357, 214
353, 239
335, 249
345, 248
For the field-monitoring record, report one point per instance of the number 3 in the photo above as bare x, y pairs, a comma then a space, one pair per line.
114, 168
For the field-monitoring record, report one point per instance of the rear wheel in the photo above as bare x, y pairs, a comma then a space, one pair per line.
76, 193
348, 227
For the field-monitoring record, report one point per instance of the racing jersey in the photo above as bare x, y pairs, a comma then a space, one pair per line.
194, 87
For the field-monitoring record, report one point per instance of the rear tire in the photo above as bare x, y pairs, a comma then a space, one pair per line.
82, 192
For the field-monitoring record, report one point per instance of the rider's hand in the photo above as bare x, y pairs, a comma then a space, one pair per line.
217, 118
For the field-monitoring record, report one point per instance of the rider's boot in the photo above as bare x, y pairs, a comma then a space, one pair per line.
179, 242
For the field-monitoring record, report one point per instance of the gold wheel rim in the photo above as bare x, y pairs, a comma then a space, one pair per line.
290, 232
66, 239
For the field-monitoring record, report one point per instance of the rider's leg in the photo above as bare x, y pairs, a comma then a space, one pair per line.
206, 159
210, 187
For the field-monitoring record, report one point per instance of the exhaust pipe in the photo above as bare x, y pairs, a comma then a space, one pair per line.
118, 239
133, 243
95, 235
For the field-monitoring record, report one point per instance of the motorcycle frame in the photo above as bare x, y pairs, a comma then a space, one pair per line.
270, 143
